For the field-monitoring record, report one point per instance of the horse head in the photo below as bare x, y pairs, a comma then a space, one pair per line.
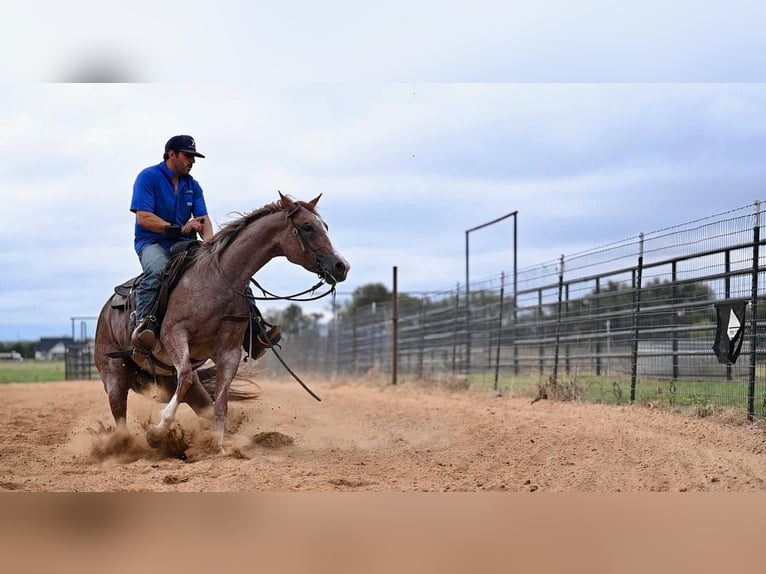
308, 244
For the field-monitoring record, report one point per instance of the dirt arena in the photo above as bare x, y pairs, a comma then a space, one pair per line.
372, 437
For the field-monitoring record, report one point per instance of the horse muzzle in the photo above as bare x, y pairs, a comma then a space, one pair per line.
333, 268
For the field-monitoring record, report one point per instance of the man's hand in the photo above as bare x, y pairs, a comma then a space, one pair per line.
194, 226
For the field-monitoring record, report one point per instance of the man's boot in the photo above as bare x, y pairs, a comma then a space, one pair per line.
143, 337
266, 336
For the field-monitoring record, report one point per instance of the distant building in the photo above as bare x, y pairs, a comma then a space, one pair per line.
52, 348
11, 356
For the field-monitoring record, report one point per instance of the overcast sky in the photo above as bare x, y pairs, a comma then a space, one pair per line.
594, 129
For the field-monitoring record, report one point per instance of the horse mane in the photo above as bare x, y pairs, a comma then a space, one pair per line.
231, 230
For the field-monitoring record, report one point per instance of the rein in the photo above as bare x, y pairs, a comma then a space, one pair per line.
269, 296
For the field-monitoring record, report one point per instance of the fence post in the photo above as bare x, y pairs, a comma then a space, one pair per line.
558, 323
597, 326
637, 273
515, 295
499, 330
514, 328
467, 313
567, 345
754, 313
727, 295
674, 319
395, 329
541, 330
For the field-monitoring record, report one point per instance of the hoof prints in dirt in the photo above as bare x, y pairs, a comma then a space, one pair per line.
174, 479
272, 439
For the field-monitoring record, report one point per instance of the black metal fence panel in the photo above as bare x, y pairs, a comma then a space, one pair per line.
634, 320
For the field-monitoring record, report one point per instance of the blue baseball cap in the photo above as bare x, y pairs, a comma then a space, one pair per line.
183, 143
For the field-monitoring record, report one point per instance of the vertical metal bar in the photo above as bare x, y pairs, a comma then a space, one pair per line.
515, 294
727, 295
597, 326
373, 334
637, 273
499, 330
455, 327
541, 330
490, 332
395, 328
467, 311
558, 323
754, 312
674, 319
567, 349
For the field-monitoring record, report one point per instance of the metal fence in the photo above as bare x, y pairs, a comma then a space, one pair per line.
634, 320
79, 359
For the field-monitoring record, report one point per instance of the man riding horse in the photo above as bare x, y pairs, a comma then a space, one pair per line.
170, 208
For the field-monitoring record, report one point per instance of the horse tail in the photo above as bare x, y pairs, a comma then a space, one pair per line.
237, 390
161, 387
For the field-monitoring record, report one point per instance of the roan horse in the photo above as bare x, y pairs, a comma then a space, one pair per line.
207, 312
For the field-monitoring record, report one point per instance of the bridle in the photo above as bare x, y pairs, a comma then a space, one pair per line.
302, 235
304, 240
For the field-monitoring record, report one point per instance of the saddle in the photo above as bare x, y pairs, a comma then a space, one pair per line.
181, 257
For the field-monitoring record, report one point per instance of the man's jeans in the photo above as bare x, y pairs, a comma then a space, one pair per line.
154, 259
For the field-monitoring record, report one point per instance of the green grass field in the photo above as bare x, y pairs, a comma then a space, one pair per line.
703, 397
31, 371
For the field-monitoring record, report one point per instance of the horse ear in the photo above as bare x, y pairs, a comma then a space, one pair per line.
285, 201
313, 202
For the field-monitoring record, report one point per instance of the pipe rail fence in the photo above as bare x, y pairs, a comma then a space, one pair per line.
630, 321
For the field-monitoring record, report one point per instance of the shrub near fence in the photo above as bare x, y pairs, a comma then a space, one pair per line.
630, 321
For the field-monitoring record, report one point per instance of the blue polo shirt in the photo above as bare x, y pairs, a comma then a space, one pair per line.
153, 192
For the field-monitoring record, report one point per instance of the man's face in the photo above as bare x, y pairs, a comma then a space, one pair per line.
181, 162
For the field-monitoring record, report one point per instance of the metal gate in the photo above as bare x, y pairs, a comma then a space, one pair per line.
78, 362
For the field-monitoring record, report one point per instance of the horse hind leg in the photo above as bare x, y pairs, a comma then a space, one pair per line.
117, 385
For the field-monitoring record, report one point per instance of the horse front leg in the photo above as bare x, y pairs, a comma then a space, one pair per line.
156, 434
186, 378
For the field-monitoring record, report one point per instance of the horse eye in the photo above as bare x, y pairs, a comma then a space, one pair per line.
308, 227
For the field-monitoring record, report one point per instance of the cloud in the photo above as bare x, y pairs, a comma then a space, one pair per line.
404, 170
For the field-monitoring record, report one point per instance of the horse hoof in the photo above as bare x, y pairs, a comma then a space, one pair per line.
155, 436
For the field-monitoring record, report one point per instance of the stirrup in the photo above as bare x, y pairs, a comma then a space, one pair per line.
143, 337
271, 337
262, 340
